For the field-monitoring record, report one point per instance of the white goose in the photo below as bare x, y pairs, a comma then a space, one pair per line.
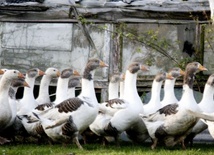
43, 96
104, 117
28, 102
138, 131
206, 105
169, 94
9, 132
127, 116
172, 123
5, 83
154, 104
78, 112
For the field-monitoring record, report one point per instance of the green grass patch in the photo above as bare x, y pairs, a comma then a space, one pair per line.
97, 149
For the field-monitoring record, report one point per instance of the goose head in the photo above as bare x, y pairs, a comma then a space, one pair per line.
190, 71
52, 72
66, 73
19, 83
134, 67
176, 72
34, 73
91, 66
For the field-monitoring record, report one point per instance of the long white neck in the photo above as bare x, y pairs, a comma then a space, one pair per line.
28, 92
207, 102
88, 88
44, 90
169, 94
155, 93
130, 91
113, 89
188, 99
121, 89
71, 92
61, 90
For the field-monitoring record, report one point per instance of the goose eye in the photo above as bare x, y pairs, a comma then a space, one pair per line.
14, 72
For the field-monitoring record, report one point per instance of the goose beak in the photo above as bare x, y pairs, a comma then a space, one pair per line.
1, 72
202, 68
169, 76
102, 64
76, 73
144, 68
20, 75
26, 84
41, 73
58, 74
182, 73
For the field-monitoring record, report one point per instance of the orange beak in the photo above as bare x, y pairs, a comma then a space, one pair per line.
41, 73
20, 75
102, 64
76, 73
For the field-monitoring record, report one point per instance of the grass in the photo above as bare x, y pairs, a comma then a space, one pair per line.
97, 149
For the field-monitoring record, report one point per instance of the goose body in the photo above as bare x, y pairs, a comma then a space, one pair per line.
138, 132
206, 105
72, 116
173, 122
126, 117
106, 111
5, 110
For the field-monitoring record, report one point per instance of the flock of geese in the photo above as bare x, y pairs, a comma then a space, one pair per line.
169, 121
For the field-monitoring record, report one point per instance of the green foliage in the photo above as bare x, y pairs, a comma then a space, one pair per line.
126, 148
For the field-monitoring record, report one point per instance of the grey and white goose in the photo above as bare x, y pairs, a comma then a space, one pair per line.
71, 117
207, 106
172, 123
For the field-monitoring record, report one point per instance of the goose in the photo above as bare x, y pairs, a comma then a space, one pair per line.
169, 95
28, 102
10, 130
206, 105
172, 123
12, 96
103, 118
72, 84
5, 83
154, 103
71, 117
138, 132
127, 116
43, 96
